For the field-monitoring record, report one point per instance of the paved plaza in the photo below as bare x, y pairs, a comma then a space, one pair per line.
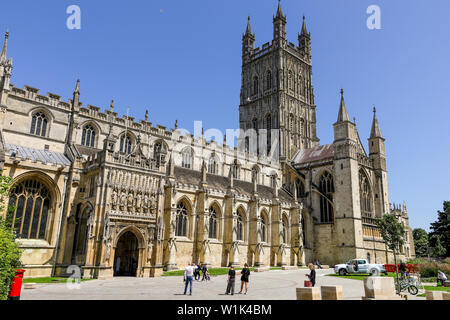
273, 285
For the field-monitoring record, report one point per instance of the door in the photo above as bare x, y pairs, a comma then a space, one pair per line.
126, 256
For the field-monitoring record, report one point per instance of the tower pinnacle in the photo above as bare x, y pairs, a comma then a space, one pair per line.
376, 131
3, 56
343, 114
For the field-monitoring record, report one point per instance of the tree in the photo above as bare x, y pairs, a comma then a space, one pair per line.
441, 230
393, 234
421, 242
9, 249
438, 250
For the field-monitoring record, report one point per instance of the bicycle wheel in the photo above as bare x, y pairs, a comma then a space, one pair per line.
413, 290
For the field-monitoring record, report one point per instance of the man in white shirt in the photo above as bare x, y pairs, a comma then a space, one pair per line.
188, 276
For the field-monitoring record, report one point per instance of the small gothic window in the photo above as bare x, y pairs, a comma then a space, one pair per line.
235, 169
263, 228
212, 165
181, 220
255, 85
269, 133
240, 227
31, 200
39, 124
212, 223
186, 158
284, 230
300, 188
125, 144
269, 80
326, 186
157, 153
88, 137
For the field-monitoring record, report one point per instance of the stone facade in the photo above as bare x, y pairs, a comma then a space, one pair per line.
116, 196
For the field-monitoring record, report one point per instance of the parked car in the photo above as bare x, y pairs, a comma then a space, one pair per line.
359, 266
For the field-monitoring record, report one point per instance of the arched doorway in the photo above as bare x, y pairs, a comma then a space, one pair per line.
126, 256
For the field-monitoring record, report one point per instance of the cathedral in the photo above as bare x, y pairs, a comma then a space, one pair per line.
117, 196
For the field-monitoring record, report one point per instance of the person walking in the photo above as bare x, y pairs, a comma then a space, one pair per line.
402, 269
244, 278
205, 273
197, 272
312, 275
231, 278
188, 277
318, 264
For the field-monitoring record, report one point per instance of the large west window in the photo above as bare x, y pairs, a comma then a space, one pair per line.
326, 185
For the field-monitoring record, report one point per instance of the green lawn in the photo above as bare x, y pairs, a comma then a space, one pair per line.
213, 271
429, 288
49, 280
358, 276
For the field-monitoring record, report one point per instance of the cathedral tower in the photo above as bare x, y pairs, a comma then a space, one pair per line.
277, 91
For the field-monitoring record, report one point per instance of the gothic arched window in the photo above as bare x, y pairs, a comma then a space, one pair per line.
255, 85
263, 228
269, 133
284, 232
365, 195
212, 164
181, 220
212, 223
31, 200
125, 144
88, 137
326, 185
269, 80
300, 188
39, 124
235, 168
240, 227
186, 158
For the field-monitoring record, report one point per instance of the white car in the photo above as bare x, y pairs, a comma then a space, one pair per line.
359, 266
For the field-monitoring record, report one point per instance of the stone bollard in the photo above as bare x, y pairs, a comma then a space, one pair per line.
289, 268
308, 294
29, 285
331, 292
434, 295
262, 269
380, 288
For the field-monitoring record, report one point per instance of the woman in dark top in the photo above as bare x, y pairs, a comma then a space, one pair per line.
244, 278
231, 277
312, 275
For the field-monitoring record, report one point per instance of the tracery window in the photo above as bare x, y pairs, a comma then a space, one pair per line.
88, 137
365, 195
326, 185
31, 200
300, 188
125, 144
39, 124
212, 164
157, 149
212, 223
186, 158
181, 220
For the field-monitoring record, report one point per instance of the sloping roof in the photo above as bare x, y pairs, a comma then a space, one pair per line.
314, 154
46, 157
193, 177
86, 150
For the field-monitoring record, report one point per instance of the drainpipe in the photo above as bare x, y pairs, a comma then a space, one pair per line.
66, 178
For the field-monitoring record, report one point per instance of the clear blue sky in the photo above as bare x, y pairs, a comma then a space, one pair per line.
181, 60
